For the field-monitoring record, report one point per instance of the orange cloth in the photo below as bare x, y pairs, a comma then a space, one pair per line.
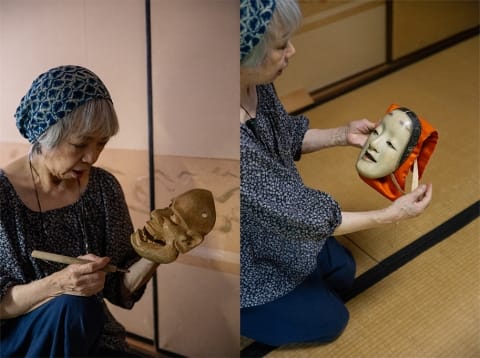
422, 152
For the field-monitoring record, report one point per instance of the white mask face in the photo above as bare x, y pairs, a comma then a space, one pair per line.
384, 147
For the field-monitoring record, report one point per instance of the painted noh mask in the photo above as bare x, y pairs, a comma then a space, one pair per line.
388, 142
176, 229
403, 142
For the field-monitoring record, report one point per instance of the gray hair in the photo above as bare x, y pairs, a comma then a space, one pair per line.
286, 18
96, 116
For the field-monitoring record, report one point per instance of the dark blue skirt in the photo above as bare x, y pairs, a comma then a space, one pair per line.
313, 311
66, 326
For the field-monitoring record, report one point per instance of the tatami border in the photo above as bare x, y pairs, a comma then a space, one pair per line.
391, 264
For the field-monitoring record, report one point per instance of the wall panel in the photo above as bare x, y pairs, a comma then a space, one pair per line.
195, 98
417, 24
336, 40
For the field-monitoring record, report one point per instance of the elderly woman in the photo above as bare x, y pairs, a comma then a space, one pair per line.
53, 199
292, 268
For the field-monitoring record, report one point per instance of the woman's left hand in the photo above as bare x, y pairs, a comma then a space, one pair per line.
358, 132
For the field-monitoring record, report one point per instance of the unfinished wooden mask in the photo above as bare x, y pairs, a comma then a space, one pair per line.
176, 229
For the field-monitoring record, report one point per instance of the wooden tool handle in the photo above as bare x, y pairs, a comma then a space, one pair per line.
415, 175
70, 260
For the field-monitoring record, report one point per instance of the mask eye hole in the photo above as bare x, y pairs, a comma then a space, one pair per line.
390, 144
204, 215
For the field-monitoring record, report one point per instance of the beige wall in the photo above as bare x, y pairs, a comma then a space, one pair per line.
343, 38
417, 24
38, 35
195, 95
336, 40
195, 77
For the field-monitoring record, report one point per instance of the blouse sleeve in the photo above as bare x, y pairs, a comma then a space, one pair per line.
14, 268
276, 198
299, 126
8, 278
281, 133
271, 187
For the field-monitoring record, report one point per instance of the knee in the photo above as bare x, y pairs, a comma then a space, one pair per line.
344, 278
80, 313
336, 325
350, 269
78, 304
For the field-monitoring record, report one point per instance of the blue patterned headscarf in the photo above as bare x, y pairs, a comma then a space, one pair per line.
255, 15
53, 95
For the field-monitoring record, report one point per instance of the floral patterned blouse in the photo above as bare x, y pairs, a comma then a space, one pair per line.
283, 223
99, 219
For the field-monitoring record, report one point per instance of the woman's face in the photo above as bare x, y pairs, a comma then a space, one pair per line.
275, 62
74, 156
384, 148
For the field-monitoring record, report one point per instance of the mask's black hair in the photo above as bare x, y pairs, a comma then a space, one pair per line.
416, 131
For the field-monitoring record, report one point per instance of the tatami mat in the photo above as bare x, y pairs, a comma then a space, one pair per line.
428, 308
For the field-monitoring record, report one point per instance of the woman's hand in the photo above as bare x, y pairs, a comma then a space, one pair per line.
405, 207
358, 131
81, 279
411, 204
77, 279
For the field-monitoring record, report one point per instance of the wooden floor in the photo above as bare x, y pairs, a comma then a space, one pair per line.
430, 307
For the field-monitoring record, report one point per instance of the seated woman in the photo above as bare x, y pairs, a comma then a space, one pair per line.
292, 267
54, 199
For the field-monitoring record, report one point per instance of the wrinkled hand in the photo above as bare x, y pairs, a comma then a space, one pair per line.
82, 279
411, 204
358, 132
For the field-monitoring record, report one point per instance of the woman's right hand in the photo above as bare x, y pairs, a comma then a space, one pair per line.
78, 279
412, 204
81, 279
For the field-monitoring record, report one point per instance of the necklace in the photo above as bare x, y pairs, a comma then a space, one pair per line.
37, 196
248, 114
36, 193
